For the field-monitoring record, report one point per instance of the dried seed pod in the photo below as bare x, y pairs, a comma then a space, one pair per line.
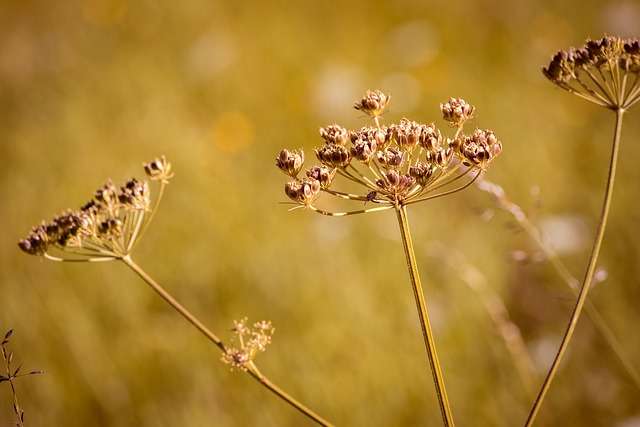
430, 137
135, 194
396, 183
406, 133
334, 134
290, 162
303, 192
480, 148
107, 194
323, 174
391, 157
364, 149
440, 156
334, 156
422, 172
373, 103
457, 111
381, 136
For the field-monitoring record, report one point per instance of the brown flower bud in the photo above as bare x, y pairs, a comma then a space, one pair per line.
334, 134
334, 156
457, 111
322, 174
290, 162
373, 103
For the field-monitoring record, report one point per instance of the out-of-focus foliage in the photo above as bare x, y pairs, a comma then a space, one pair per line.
90, 89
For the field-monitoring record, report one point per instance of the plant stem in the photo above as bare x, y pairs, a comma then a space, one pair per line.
252, 369
429, 341
591, 268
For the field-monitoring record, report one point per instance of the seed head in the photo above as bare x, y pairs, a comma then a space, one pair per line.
599, 64
250, 341
334, 156
290, 162
304, 191
322, 174
391, 157
334, 134
158, 170
457, 111
106, 227
480, 148
422, 172
373, 103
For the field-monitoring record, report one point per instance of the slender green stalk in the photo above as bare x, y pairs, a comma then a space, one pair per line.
591, 268
423, 314
251, 369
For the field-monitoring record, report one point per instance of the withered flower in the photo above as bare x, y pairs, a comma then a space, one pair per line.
103, 229
480, 148
250, 341
334, 156
158, 170
604, 71
334, 134
323, 174
398, 164
290, 162
457, 111
373, 103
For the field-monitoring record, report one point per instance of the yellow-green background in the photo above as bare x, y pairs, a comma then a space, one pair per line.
91, 89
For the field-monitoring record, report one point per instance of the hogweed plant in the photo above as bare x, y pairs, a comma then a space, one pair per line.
11, 374
108, 228
605, 72
395, 166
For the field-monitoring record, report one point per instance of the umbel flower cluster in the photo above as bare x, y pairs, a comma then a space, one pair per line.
605, 71
105, 228
249, 341
396, 164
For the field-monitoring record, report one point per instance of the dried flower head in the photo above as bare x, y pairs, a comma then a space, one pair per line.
599, 71
398, 164
457, 111
373, 103
480, 148
334, 134
158, 170
248, 342
105, 228
290, 162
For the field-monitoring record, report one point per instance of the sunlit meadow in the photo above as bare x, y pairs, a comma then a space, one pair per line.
91, 90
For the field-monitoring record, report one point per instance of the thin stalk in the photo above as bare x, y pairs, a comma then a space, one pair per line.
423, 314
252, 369
591, 268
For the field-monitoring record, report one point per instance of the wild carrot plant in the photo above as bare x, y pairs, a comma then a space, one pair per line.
11, 374
605, 72
395, 166
108, 228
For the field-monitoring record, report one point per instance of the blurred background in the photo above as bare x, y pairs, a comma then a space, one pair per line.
91, 89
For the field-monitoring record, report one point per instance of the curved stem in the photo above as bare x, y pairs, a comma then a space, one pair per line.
588, 278
256, 374
421, 304
252, 370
